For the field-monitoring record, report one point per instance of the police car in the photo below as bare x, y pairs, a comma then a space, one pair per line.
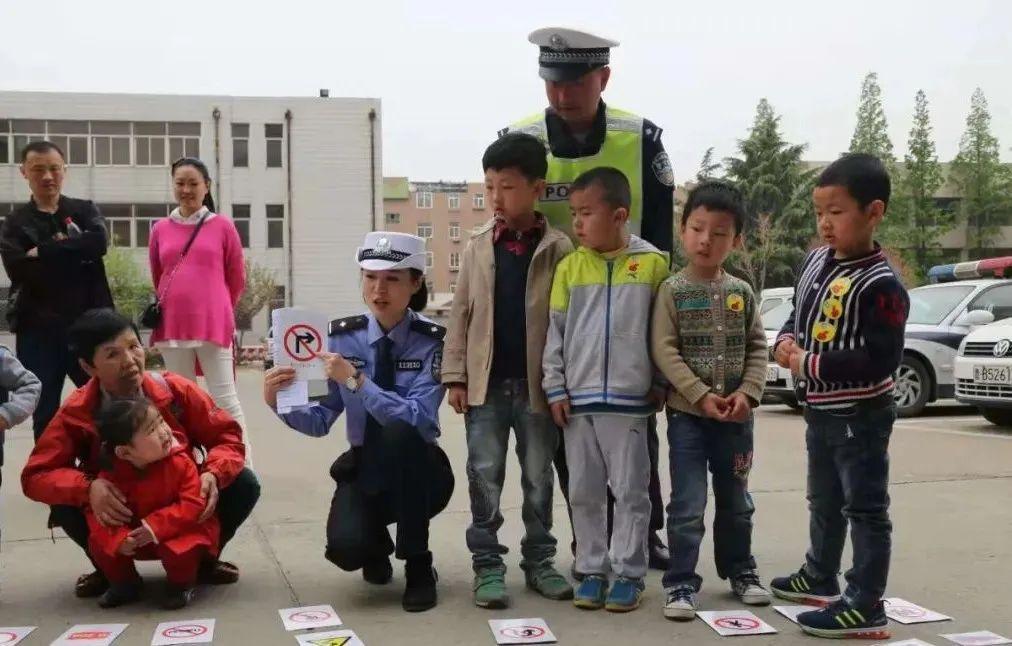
779, 381
961, 298
984, 371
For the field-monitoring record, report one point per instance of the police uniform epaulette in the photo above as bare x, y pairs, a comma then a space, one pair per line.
429, 329
348, 324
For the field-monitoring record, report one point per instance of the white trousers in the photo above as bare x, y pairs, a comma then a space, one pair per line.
216, 363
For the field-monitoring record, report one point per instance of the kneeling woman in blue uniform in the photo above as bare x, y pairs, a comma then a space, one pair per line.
383, 369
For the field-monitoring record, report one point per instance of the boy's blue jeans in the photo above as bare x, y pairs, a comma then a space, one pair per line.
848, 480
488, 427
696, 443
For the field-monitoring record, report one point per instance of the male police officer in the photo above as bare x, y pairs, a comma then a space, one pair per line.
581, 133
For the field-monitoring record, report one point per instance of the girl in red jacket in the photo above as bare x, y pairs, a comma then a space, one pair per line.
162, 488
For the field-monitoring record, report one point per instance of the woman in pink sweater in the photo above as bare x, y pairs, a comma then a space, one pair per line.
198, 292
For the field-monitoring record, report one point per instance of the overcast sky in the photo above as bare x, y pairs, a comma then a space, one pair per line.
452, 73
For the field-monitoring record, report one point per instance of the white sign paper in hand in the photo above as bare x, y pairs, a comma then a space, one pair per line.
12, 636
792, 612
906, 642
90, 635
729, 623
195, 631
309, 617
979, 638
295, 395
905, 612
299, 336
330, 638
521, 631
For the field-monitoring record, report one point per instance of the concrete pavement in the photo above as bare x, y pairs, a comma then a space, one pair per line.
952, 480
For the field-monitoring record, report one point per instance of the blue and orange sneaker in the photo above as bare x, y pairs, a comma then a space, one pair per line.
804, 589
839, 620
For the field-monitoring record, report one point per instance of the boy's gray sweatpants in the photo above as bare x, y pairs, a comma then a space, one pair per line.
604, 449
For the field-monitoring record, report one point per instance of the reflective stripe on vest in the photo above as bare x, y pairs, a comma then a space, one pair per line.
622, 149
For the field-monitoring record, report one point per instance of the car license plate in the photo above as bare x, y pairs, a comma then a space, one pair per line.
993, 375
772, 374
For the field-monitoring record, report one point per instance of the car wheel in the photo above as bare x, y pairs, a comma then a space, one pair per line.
912, 385
998, 416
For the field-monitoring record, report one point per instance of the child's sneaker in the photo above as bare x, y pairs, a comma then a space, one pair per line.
547, 582
177, 596
120, 594
592, 592
625, 595
804, 589
490, 589
749, 590
681, 603
839, 620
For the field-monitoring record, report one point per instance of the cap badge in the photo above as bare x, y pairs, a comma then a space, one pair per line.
383, 245
557, 42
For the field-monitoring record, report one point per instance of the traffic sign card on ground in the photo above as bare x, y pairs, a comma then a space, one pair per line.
910, 613
792, 612
330, 638
906, 642
730, 623
90, 635
978, 638
194, 631
12, 636
309, 617
299, 335
521, 631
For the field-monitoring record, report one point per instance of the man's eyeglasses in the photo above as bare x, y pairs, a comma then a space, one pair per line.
42, 170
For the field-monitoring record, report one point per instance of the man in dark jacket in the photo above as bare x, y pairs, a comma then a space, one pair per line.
52, 250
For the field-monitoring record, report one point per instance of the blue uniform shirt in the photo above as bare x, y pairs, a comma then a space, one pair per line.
418, 355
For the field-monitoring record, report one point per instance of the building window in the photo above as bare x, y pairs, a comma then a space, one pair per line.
240, 145
478, 201
454, 231
112, 146
275, 226
72, 138
118, 221
453, 201
428, 260
431, 289
25, 131
5, 143
455, 261
241, 219
423, 200
275, 134
425, 231
149, 143
146, 215
453, 287
184, 140
393, 218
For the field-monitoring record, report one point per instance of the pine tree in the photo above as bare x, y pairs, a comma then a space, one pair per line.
871, 134
983, 181
707, 167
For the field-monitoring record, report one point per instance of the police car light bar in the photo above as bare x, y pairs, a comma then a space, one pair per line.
987, 268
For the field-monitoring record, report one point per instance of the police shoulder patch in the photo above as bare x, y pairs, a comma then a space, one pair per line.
661, 166
348, 324
429, 329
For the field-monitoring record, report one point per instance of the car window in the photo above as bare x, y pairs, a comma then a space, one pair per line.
770, 303
776, 317
930, 305
997, 300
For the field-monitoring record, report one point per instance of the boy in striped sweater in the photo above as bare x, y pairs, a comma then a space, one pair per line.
843, 342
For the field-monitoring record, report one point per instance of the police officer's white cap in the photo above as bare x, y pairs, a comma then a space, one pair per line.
567, 54
383, 250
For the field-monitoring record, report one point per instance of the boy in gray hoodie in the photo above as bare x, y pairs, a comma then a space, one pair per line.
19, 394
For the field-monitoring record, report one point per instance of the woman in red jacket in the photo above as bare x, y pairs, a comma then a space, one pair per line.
162, 489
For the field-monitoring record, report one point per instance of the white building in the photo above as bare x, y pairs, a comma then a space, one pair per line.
301, 176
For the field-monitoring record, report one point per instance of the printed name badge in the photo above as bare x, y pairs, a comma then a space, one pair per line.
735, 302
824, 331
840, 286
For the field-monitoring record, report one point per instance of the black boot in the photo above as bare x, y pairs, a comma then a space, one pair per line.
378, 571
420, 591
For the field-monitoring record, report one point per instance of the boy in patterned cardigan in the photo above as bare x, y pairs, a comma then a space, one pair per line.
708, 341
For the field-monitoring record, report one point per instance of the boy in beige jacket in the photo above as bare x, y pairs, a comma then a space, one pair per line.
492, 367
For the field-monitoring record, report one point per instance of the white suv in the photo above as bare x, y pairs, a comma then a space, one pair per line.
984, 371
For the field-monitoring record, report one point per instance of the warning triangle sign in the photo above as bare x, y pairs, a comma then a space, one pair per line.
331, 641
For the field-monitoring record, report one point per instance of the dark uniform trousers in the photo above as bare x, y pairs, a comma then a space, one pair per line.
407, 482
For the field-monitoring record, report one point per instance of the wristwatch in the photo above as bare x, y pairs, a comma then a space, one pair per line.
351, 383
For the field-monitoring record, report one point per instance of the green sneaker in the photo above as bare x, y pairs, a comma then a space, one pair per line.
490, 589
547, 582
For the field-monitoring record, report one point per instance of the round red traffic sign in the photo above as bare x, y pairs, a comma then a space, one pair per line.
523, 632
737, 623
303, 343
7, 638
307, 616
188, 630
909, 612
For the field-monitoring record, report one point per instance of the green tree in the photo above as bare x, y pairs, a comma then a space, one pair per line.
257, 293
708, 167
130, 286
871, 134
918, 223
777, 190
984, 182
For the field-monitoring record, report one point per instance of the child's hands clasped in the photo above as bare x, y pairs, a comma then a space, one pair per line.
734, 408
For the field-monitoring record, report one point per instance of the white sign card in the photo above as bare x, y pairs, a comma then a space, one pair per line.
792, 612
299, 336
331, 638
730, 623
978, 638
296, 395
521, 631
907, 642
90, 635
12, 636
905, 612
194, 631
309, 617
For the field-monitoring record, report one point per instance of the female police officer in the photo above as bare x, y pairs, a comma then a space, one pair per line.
383, 369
